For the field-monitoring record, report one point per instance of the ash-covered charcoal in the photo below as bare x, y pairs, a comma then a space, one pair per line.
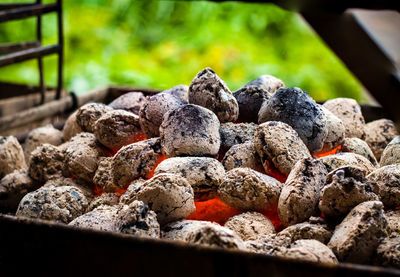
129, 195
103, 218
210, 91
242, 155
357, 236
378, 134
46, 162
278, 143
169, 196
233, 134
335, 161
71, 127
336, 130
62, 204
360, 147
11, 155
153, 110
107, 199
250, 99
349, 112
248, 190
59, 181
345, 188
308, 250
130, 102
391, 154
102, 176
178, 230
393, 220
203, 174
89, 113
250, 225
117, 128
13, 187
138, 220
386, 184
190, 130
135, 160
180, 91
267, 82
307, 230
47, 134
388, 253
298, 200
297, 109
268, 244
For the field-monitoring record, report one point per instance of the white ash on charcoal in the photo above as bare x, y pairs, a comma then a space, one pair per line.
47, 161
242, 155
267, 83
267, 244
101, 218
345, 188
102, 177
250, 225
59, 181
378, 135
233, 134
13, 187
297, 109
203, 174
356, 238
153, 110
336, 130
11, 156
178, 230
278, 143
190, 130
386, 184
307, 230
169, 196
135, 160
349, 112
391, 154
360, 147
393, 220
180, 91
89, 113
47, 134
71, 127
250, 99
117, 128
106, 199
248, 190
208, 90
335, 161
298, 200
61, 204
129, 195
130, 102
388, 253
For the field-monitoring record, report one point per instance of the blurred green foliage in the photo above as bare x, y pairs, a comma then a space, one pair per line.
159, 44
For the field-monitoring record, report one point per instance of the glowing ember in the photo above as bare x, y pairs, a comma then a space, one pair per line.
275, 173
151, 173
331, 152
97, 190
274, 217
138, 137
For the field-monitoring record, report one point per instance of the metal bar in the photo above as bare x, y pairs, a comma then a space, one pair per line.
40, 60
60, 49
13, 47
25, 12
28, 54
14, 6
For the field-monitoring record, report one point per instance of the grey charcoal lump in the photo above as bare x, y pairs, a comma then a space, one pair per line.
335, 161
391, 154
101, 218
180, 91
386, 184
47, 134
152, 112
248, 190
349, 112
130, 102
129, 195
250, 225
267, 83
108, 199
336, 130
102, 176
208, 90
135, 160
117, 128
89, 113
169, 196
307, 230
378, 134
357, 236
298, 200
190, 130
278, 143
203, 174
178, 230
242, 155
388, 253
345, 188
250, 99
11, 155
71, 127
62, 181
233, 134
393, 220
360, 147
62, 204
297, 109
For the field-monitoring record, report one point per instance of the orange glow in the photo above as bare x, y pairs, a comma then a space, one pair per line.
275, 173
97, 190
213, 210
274, 217
159, 160
136, 138
330, 152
